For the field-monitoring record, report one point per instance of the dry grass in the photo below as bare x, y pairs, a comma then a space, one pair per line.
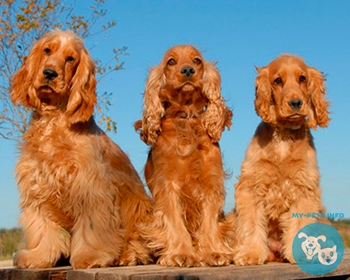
343, 227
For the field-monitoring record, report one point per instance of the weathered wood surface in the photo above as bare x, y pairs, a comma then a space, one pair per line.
156, 272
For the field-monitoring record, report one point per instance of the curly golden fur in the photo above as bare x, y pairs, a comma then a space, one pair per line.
183, 119
280, 175
79, 193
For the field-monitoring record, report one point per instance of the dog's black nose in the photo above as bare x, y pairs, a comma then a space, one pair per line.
187, 71
295, 104
50, 74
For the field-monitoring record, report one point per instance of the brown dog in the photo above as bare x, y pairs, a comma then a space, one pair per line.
183, 119
279, 175
80, 195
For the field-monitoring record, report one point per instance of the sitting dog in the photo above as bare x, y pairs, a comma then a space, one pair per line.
279, 175
183, 119
79, 193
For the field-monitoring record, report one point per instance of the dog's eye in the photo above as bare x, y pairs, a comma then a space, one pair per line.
70, 59
47, 51
171, 61
278, 81
197, 61
302, 79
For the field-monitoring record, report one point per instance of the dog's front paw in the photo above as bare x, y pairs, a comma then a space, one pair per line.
32, 259
91, 259
250, 258
182, 260
216, 259
129, 258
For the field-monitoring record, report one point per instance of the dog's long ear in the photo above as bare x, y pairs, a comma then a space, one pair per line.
22, 90
216, 115
318, 113
264, 105
82, 97
153, 109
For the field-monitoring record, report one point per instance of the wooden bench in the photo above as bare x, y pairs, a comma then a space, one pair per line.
148, 272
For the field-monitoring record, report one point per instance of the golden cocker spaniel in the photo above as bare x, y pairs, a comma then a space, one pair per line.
183, 119
280, 175
79, 193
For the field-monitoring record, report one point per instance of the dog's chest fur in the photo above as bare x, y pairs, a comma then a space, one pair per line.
281, 193
284, 186
50, 167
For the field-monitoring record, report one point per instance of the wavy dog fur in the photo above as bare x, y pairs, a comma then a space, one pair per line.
79, 193
280, 175
183, 119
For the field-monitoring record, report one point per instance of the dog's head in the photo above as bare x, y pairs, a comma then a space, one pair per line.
184, 78
290, 93
58, 73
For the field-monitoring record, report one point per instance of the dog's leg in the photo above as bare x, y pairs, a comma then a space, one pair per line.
307, 193
291, 225
251, 226
46, 241
211, 235
136, 212
212, 238
97, 238
170, 235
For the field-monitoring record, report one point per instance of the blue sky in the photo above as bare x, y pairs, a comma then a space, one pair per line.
239, 35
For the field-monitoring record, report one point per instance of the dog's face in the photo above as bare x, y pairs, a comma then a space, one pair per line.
184, 79
288, 92
183, 68
289, 79
59, 58
58, 74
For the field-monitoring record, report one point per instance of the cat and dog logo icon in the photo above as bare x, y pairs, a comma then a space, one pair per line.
311, 247
318, 248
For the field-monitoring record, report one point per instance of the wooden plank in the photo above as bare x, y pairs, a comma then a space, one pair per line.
155, 272
56, 273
